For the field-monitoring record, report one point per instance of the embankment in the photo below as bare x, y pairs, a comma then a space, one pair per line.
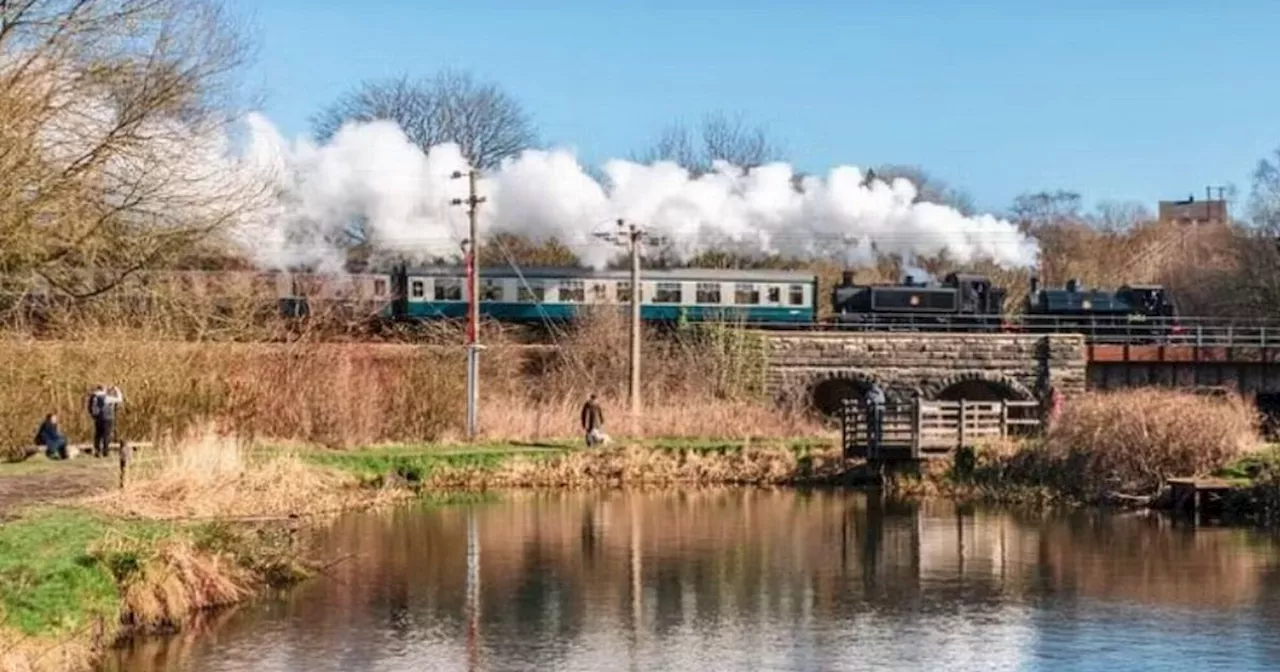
698, 382
205, 523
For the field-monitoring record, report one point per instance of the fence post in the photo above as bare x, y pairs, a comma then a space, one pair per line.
963, 407
1004, 418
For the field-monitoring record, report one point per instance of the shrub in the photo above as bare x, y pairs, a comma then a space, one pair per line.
1131, 442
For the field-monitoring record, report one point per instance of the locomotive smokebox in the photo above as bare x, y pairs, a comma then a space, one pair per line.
846, 278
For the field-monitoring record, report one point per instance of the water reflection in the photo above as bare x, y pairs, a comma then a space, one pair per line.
749, 579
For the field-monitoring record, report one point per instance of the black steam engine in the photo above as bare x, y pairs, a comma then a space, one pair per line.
1131, 310
964, 302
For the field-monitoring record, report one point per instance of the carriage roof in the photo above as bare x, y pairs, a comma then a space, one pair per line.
651, 274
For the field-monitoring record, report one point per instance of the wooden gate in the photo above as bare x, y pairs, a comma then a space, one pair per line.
922, 430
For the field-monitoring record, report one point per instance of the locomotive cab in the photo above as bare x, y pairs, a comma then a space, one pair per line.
1147, 300
976, 295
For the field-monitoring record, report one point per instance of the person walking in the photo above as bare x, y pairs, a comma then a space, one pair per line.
592, 421
875, 416
53, 440
97, 400
111, 402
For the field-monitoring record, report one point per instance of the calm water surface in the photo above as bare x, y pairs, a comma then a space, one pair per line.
754, 580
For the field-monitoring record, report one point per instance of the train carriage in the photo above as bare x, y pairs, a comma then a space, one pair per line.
558, 294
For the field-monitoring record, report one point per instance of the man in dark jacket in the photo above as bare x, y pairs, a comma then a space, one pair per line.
102, 406
592, 421
97, 400
53, 440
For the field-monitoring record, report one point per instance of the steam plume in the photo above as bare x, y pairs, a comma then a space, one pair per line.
371, 173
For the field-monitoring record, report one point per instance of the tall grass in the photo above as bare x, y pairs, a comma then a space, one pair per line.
210, 476
697, 382
1126, 442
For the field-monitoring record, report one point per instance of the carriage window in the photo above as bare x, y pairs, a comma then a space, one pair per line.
379, 287
600, 292
532, 292
667, 292
448, 289
708, 292
796, 295
417, 289
571, 291
775, 294
746, 295
624, 291
491, 290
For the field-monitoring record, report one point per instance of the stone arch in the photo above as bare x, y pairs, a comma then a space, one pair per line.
979, 386
826, 392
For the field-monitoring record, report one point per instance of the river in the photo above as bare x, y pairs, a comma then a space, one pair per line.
742, 579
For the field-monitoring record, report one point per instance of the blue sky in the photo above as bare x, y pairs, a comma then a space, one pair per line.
1142, 101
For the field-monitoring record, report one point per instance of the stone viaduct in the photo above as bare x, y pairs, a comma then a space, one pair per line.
823, 367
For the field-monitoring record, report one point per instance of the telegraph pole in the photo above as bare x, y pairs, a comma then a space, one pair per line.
473, 302
631, 237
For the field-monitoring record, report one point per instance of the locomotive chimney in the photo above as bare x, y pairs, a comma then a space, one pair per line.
846, 278
1035, 285
1073, 285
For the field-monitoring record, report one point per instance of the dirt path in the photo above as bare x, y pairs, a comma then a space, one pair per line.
39, 480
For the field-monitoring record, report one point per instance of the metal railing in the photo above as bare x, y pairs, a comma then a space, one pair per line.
1191, 331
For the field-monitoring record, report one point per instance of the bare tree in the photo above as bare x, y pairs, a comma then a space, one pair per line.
486, 123
929, 189
719, 138
1047, 207
1119, 216
112, 145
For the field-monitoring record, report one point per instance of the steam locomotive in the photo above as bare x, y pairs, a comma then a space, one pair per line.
965, 302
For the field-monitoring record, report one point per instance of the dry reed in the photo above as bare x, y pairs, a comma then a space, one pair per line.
211, 476
1126, 442
696, 383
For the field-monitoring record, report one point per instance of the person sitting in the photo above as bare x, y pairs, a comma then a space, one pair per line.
53, 440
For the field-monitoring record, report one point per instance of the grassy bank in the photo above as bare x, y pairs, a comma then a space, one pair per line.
205, 522
660, 462
75, 581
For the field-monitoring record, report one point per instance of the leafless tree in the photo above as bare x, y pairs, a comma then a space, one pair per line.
1047, 207
929, 189
112, 144
1119, 216
487, 123
719, 138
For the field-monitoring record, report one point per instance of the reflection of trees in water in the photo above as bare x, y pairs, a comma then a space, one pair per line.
556, 568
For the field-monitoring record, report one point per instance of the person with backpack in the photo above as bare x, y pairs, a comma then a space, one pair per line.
103, 416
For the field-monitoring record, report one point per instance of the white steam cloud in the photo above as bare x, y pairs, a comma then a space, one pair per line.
371, 173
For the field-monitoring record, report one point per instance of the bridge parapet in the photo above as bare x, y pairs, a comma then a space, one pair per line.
1011, 366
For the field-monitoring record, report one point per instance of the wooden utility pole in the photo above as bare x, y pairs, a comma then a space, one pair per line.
631, 237
473, 303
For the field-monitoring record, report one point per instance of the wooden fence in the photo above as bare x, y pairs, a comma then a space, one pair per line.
921, 430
